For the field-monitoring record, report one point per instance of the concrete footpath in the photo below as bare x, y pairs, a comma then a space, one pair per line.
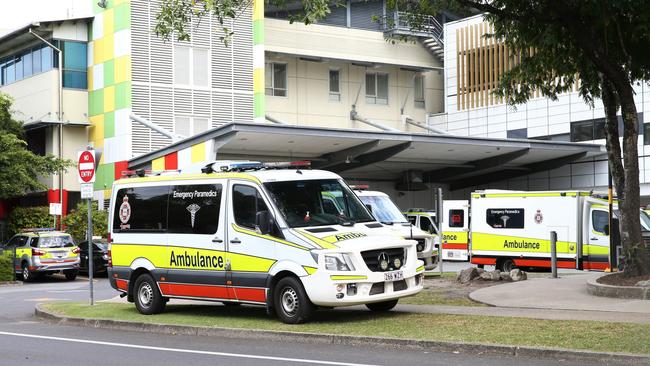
567, 294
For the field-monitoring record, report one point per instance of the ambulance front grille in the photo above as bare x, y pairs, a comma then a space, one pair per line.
371, 257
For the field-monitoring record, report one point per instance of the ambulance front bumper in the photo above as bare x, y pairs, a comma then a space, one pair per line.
332, 289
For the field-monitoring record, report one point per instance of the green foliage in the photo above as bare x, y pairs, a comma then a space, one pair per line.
6, 266
28, 217
76, 222
176, 17
19, 167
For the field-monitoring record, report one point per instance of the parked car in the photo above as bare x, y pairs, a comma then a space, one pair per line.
44, 251
100, 256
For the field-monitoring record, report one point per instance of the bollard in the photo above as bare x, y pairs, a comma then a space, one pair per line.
554, 254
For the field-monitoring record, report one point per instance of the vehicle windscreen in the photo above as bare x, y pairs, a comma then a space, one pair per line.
384, 209
55, 242
307, 203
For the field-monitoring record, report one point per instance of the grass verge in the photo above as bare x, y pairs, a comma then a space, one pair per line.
439, 296
580, 335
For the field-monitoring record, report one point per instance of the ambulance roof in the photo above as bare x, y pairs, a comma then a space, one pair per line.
363, 193
260, 176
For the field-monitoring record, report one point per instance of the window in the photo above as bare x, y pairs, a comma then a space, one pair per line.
376, 88
64, 241
411, 219
646, 133
600, 219
335, 85
194, 209
17, 241
142, 209
418, 91
75, 64
456, 218
191, 66
276, 79
190, 126
520, 133
505, 218
426, 224
246, 203
594, 129
32, 61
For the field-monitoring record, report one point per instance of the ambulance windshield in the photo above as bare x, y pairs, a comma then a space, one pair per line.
306, 203
384, 209
645, 221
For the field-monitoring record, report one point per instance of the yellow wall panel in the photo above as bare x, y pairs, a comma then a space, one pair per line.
158, 164
122, 69
198, 152
109, 99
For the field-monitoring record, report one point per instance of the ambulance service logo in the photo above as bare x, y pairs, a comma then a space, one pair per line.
193, 209
538, 217
125, 213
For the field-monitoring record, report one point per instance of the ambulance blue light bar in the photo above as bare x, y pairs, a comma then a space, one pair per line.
231, 166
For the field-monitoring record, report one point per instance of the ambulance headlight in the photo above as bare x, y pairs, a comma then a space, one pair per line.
338, 262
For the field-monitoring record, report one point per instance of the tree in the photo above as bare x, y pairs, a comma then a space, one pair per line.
19, 167
76, 222
28, 217
600, 45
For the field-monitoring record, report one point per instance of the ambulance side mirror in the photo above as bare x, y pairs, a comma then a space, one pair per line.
263, 222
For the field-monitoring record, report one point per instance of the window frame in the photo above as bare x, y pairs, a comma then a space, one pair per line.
334, 96
192, 118
272, 88
374, 98
190, 67
419, 103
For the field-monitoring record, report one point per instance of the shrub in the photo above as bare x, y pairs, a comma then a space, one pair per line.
26, 217
77, 221
6, 266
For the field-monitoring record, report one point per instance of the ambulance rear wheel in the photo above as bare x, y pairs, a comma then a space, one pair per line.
26, 274
291, 303
148, 299
507, 265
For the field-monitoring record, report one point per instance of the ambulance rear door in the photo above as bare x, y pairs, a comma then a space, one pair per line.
455, 230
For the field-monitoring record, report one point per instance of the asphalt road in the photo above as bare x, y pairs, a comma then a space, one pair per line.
25, 340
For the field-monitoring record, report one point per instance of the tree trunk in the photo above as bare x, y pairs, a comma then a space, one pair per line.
637, 256
610, 102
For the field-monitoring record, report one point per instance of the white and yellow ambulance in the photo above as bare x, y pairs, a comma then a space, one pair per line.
455, 227
386, 212
512, 229
248, 233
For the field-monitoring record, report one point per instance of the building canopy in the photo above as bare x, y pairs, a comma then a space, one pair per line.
459, 161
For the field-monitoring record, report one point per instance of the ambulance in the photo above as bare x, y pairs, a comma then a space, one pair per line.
512, 229
455, 228
386, 212
252, 233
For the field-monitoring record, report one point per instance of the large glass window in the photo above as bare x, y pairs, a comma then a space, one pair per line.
190, 126
335, 85
194, 209
276, 79
246, 203
142, 209
75, 63
302, 203
600, 219
418, 92
376, 88
505, 218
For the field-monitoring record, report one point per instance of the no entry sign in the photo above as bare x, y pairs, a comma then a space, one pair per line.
86, 166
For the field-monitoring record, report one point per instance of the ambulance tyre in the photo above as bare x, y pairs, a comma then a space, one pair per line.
70, 275
507, 265
148, 299
382, 306
26, 274
291, 303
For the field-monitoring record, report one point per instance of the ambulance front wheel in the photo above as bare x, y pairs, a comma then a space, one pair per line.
291, 303
507, 265
148, 299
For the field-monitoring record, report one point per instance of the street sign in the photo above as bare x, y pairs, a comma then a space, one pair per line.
87, 190
86, 166
55, 209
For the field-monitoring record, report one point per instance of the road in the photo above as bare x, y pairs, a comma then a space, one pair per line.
25, 340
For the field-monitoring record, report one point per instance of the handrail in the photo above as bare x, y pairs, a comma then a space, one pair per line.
402, 22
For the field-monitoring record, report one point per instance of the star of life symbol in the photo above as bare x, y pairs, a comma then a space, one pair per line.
193, 209
125, 213
538, 217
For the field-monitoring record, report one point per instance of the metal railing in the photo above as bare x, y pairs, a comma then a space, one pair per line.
405, 23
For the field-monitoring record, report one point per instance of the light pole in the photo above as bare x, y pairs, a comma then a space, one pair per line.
59, 115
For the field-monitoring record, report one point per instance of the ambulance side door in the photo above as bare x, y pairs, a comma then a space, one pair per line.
250, 254
598, 249
196, 240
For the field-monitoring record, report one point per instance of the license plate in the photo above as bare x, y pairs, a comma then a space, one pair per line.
393, 276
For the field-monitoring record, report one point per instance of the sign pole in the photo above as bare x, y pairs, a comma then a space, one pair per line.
91, 249
86, 173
